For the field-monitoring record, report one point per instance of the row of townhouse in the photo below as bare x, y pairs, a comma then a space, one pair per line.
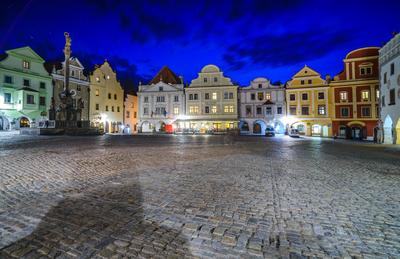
346, 106
29, 86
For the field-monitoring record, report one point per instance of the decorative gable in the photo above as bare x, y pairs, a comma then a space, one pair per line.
25, 53
306, 77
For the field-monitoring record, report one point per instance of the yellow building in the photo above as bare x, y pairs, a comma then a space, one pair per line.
308, 104
211, 102
106, 99
130, 117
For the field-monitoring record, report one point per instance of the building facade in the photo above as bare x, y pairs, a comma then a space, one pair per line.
389, 62
78, 84
131, 114
308, 105
25, 89
261, 104
355, 94
211, 102
106, 106
161, 102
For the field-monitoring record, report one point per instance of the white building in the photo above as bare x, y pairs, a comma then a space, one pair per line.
261, 104
389, 62
161, 102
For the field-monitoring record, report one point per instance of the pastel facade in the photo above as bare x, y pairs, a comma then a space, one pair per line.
106, 99
25, 89
355, 94
308, 105
161, 102
78, 84
261, 104
131, 114
389, 60
211, 102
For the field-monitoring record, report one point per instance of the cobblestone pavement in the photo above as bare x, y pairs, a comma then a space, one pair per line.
197, 196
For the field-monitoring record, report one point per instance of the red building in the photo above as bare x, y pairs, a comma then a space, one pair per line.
355, 95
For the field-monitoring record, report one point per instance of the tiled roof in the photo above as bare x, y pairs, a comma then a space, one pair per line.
167, 76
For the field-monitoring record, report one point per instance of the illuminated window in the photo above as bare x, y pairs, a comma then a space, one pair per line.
260, 96
97, 92
343, 96
108, 77
214, 96
97, 79
193, 109
321, 110
365, 95
268, 96
176, 110
231, 109
214, 109
226, 108
377, 93
26, 64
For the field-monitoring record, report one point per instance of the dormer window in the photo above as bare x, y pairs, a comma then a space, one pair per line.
26, 64
365, 95
366, 69
302, 82
161, 89
72, 72
205, 80
259, 85
215, 79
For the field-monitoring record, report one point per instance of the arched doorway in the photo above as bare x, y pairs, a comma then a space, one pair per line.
146, 127
342, 131
388, 130
4, 124
24, 122
259, 127
279, 127
316, 130
300, 127
244, 126
357, 132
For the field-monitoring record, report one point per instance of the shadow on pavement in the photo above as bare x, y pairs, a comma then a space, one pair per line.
107, 221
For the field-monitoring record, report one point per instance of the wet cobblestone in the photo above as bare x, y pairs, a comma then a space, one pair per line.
197, 196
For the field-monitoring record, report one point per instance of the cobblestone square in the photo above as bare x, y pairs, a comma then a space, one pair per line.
118, 196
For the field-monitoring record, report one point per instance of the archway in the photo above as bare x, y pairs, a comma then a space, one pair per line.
301, 127
146, 127
343, 131
259, 127
244, 126
24, 122
316, 130
279, 127
4, 123
357, 132
388, 130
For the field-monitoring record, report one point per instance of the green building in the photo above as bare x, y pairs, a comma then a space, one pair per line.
25, 89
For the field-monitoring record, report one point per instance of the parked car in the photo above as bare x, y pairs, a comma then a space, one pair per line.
270, 132
294, 133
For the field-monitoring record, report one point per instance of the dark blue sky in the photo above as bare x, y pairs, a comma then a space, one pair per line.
246, 39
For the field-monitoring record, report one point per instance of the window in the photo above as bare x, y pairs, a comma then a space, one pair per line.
377, 93
193, 109
259, 110
230, 95
302, 82
176, 110
7, 97
128, 114
42, 101
72, 73
268, 110
305, 110
146, 99
190, 96
292, 110
117, 108
259, 85
260, 96
304, 96
215, 79
231, 109
135, 115
109, 95
292, 97
383, 101
343, 96
26, 64
365, 95
366, 111
160, 99
112, 108
97, 79
214, 109
115, 97
78, 88
27, 82
369, 71
392, 97
310, 81
176, 98
344, 111
195, 96
206, 96
30, 99
160, 88
97, 92
321, 110
226, 108
226, 95
392, 69
214, 96
248, 110
268, 96
97, 107
8, 79
321, 95
106, 108
108, 77
145, 111
279, 110
207, 109
205, 79
385, 78
253, 96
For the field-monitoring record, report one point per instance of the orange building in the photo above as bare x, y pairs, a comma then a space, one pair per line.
130, 114
355, 95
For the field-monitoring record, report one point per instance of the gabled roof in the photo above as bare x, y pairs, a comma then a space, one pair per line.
26, 52
166, 75
306, 72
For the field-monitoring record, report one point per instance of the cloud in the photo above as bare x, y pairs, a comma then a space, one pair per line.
285, 49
